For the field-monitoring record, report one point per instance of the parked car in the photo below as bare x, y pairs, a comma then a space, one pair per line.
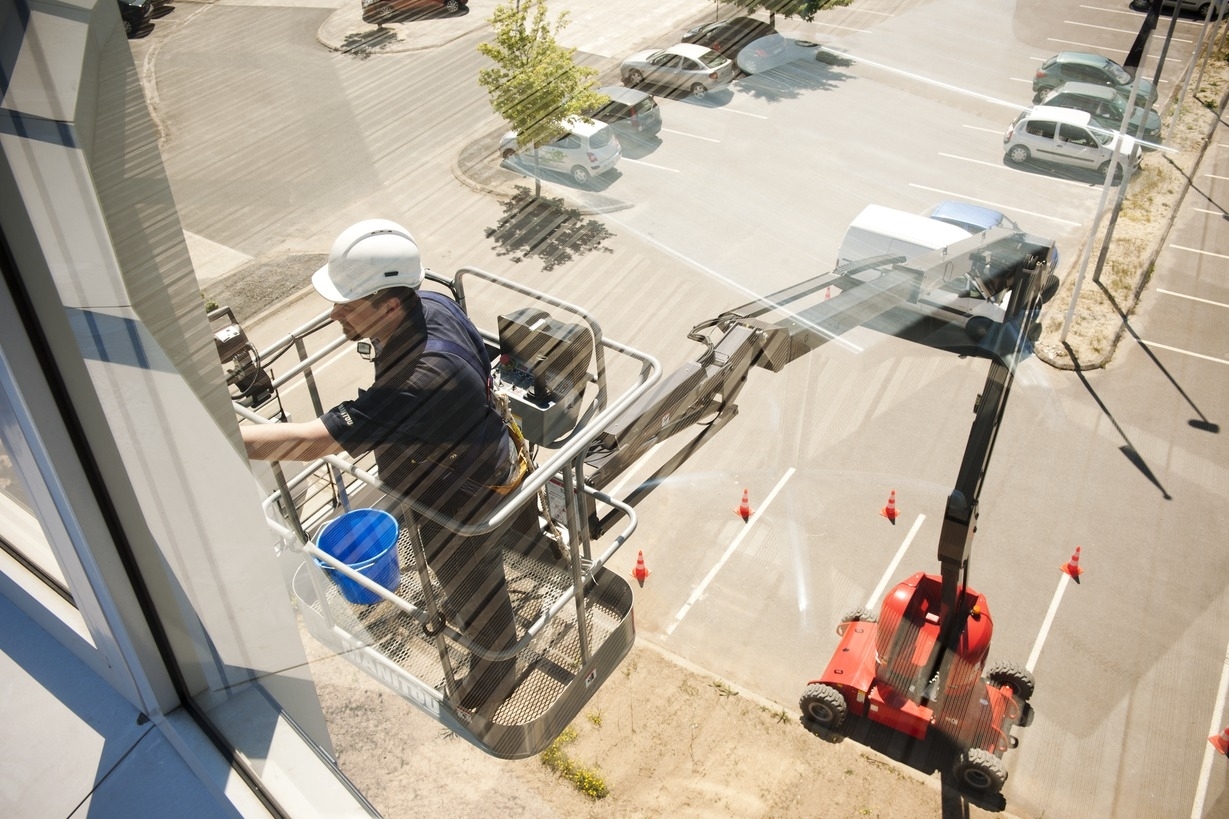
1084, 66
1107, 106
629, 111
587, 148
973, 218
686, 66
135, 13
1200, 7
1065, 136
377, 11
745, 40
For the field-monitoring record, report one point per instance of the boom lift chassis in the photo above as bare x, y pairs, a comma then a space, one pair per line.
573, 616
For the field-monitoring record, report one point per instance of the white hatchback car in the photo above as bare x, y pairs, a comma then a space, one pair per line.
1065, 136
587, 149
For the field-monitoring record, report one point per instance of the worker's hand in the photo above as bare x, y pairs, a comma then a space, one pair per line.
305, 441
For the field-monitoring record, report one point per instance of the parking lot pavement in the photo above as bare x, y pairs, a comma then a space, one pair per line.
605, 29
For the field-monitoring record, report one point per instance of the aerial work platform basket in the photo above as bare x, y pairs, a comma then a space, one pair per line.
573, 616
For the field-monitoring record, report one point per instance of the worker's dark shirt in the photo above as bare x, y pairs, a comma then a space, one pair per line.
436, 437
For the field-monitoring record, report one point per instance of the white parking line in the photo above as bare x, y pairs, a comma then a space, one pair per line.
1193, 298
1147, 343
1205, 768
1200, 252
1049, 620
742, 533
650, 165
1004, 167
1115, 30
994, 205
891, 570
1209, 212
1214, 176
693, 136
931, 81
998, 131
744, 113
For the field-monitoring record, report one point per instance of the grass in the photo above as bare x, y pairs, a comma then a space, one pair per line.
588, 781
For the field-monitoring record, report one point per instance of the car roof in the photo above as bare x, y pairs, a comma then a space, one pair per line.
691, 50
967, 213
1084, 57
623, 94
1073, 116
584, 127
1088, 89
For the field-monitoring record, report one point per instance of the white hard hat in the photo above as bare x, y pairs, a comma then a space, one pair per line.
369, 256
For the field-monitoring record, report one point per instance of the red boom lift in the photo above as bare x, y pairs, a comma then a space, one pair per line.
918, 667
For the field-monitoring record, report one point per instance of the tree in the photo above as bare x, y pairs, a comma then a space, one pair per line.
535, 84
806, 9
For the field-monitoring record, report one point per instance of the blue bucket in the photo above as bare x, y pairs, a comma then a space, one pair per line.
366, 541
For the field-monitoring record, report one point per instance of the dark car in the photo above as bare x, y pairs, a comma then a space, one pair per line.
1107, 106
135, 13
377, 11
1084, 66
629, 111
730, 37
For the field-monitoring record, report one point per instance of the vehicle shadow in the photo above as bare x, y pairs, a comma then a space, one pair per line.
715, 98
546, 228
638, 146
524, 165
414, 15
1085, 177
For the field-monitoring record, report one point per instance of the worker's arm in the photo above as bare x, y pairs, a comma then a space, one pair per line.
303, 441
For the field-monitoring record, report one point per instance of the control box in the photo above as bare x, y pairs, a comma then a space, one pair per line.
543, 368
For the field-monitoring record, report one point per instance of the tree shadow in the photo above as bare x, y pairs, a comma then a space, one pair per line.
362, 43
546, 228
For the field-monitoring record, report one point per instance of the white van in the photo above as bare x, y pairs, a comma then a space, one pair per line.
878, 230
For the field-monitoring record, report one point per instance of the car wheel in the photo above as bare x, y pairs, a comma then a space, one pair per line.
634, 77
1202, 11
1019, 679
507, 153
1140, 5
1105, 167
698, 90
452, 6
580, 175
1018, 154
1037, 98
752, 67
129, 28
978, 327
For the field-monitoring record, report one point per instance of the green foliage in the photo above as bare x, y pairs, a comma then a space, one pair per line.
534, 84
587, 781
806, 9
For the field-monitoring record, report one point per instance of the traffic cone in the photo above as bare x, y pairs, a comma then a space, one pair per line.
743, 510
890, 512
641, 571
1221, 742
1072, 566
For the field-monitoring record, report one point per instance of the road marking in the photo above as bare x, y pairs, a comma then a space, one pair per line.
1192, 298
998, 131
693, 136
742, 533
994, 205
847, 28
1214, 176
999, 165
1200, 252
891, 570
744, 113
650, 165
1116, 30
928, 80
1211, 212
1045, 625
1147, 343
1205, 769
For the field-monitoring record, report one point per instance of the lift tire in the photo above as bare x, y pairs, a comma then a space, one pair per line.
1019, 679
824, 706
979, 770
859, 615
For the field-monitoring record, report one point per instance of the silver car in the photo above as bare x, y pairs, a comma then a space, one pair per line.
588, 148
686, 66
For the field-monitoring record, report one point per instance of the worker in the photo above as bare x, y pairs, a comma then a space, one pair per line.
428, 417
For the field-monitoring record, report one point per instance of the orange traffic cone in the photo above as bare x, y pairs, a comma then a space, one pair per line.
641, 571
890, 512
1221, 742
743, 510
1072, 566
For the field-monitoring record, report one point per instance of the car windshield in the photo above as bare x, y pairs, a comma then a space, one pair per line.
644, 106
713, 60
1119, 73
600, 138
